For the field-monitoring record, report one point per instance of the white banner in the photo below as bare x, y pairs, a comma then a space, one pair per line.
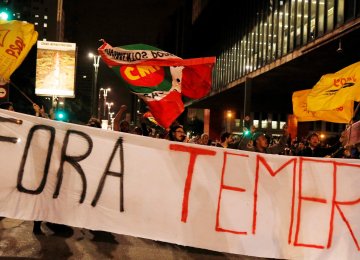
207, 197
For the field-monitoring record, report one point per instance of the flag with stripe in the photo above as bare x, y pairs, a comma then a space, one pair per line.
159, 78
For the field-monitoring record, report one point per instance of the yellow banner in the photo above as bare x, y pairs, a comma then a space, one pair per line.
16, 40
333, 90
342, 114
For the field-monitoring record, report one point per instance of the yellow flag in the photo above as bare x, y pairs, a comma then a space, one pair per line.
333, 90
342, 114
16, 40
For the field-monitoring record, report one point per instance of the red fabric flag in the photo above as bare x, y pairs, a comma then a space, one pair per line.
159, 78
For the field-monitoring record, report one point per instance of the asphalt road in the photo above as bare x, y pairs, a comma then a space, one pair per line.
17, 241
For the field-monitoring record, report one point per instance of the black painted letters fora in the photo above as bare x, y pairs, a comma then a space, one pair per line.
20, 187
119, 143
73, 160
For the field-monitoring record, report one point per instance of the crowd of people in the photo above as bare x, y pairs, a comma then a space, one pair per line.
257, 141
251, 140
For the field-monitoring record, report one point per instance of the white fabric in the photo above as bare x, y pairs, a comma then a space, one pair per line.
225, 188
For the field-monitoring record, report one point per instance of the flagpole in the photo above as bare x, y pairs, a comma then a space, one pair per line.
355, 112
13, 84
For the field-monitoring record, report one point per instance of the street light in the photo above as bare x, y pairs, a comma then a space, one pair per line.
95, 107
229, 115
111, 116
105, 93
109, 105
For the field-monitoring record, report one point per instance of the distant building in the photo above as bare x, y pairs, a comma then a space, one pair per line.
46, 15
266, 50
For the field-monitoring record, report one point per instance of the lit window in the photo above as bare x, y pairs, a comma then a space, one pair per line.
274, 124
264, 123
36, 16
256, 123
45, 24
282, 124
44, 39
45, 17
36, 23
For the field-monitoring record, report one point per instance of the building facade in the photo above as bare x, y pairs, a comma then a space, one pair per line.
46, 15
267, 49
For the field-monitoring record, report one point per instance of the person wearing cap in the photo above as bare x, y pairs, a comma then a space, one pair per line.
261, 143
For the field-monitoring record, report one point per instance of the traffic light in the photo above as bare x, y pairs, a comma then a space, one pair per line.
61, 115
5, 12
4, 16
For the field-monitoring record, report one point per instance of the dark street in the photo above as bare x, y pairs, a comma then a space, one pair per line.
18, 241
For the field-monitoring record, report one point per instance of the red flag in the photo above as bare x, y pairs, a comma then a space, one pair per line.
159, 78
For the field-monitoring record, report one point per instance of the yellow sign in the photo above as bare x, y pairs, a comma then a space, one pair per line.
16, 40
342, 114
333, 90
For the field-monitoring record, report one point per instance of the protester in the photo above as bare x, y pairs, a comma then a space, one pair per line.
124, 126
204, 139
40, 112
314, 149
225, 140
37, 228
118, 122
177, 133
195, 139
137, 131
246, 140
94, 122
261, 143
347, 153
7, 105
298, 147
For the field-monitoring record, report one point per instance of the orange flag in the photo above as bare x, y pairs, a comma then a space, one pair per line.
342, 114
16, 40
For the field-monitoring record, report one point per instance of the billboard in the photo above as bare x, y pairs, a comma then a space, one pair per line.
55, 69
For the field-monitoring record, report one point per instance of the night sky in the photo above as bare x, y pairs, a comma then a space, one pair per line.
118, 22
